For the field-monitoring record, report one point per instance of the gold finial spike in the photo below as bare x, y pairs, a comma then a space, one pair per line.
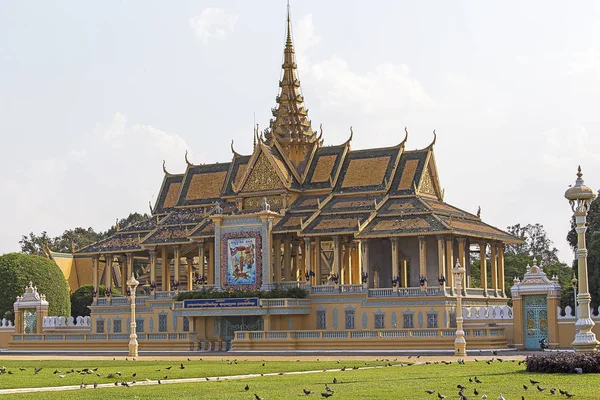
288, 41
579, 174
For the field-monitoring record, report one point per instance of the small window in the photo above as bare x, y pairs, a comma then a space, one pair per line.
432, 320
186, 324
139, 326
379, 321
349, 319
321, 320
99, 326
117, 326
408, 321
162, 323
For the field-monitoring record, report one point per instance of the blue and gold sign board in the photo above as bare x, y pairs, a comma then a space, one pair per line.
220, 303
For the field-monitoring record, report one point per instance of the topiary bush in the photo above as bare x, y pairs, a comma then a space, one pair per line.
81, 299
564, 362
17, 270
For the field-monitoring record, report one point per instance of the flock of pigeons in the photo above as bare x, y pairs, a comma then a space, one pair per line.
328, 391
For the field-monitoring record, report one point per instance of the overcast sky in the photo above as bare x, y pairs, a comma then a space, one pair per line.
94, 95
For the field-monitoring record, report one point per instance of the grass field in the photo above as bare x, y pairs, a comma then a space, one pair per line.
383, 382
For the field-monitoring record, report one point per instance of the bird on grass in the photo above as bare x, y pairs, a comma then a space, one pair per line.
541, 389
553, 391
525, 387
61, 376
534, 382
306, 391
484, 396
325, 394
257, 397
181, 366
476, 379
475, 392
569, 395
334, 379
169, 367
21, 369
461, 387
159, 382
95, 385
246, 388
441, 396
328, 389
501, 397
430, 391
37, 370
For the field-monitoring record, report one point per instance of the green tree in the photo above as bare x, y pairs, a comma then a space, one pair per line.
17, 270
81, 299
73, 239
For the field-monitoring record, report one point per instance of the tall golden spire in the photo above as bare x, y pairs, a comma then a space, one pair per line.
290, 126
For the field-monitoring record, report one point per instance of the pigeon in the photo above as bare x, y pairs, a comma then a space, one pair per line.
21, 369
534, 382
246, 388
37, 370
501, 397
525, 387
61, 376
569, 395
334, 379
169, 367
495, 353
540, 388
430, 391
579, 370
306, 391
257, 397
325, 394
476, 379
328, 389
484, 396
461, 387
95, 385
475, 392
553, 391
181, 366
159, 382
441, 396
562, 392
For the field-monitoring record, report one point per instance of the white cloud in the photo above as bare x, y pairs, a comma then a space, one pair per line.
585, 62
565, 146
213, 23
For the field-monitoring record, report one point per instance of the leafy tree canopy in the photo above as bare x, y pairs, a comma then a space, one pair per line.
72, 239
17, 270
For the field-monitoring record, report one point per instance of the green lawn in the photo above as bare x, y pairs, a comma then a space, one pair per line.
409, 382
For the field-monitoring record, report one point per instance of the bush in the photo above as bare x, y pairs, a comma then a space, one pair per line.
293, 293
17, 270
81, 299
564, 362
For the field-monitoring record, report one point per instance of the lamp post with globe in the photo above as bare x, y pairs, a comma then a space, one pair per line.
460, 344
132, 284
580, 198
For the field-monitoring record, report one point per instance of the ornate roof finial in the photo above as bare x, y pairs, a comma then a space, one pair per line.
434, 139
579, 174
479, 212
188, 161
150, 206
235, 154
165, 168
117, 226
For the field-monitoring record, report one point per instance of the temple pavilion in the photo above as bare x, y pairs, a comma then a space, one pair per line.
298, 213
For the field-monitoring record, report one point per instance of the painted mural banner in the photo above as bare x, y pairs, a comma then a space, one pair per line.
241, 261
221, 303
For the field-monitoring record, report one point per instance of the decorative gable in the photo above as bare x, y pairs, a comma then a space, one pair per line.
262, 177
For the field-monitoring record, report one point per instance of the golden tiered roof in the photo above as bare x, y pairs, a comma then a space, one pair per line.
319, 191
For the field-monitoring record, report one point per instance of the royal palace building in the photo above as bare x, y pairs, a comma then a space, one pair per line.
362, 237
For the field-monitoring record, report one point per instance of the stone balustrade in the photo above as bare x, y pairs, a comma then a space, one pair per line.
290, 285
569, 313
67, 322
6, 325
486, 313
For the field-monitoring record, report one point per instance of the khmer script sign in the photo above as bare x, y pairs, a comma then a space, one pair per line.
220, 303
241, 261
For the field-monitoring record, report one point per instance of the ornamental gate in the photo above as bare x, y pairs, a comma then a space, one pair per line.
231, 324
535, 311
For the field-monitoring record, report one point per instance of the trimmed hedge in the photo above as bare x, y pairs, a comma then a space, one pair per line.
81, 299
17, 269
292, 293
564, 362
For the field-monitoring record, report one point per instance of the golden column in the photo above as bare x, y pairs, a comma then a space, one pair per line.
277, 259
441, 261
153, 269
133, 343
190, 273
108, 260
501, 269
166, 270
287, 259
460, 344
176, 264
422, 258
308, 260
365, 265
483, 266
450, 257
494, 262
210, 263
395, 263
96, 280
580, 198
336, 259
317, 252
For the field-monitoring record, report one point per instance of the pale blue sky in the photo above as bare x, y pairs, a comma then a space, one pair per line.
94, 95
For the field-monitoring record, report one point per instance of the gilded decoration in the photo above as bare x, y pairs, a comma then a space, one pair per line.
227, 259
262, 177
206, 186
366, 171
401, 224
408, 174
340, 223
323, 169
427, 186
172, 195
276, 202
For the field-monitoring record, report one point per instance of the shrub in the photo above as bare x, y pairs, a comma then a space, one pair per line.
81, 299
17, 270
564, 362
210, 293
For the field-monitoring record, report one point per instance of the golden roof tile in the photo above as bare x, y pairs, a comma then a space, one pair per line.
365, 171
206, 185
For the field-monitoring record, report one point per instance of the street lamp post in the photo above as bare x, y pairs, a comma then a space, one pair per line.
574, 283
460, 344
132, 284
580, 198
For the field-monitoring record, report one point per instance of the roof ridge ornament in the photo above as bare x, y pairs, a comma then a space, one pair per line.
434, 140
186, 159
235, 154
165, 168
